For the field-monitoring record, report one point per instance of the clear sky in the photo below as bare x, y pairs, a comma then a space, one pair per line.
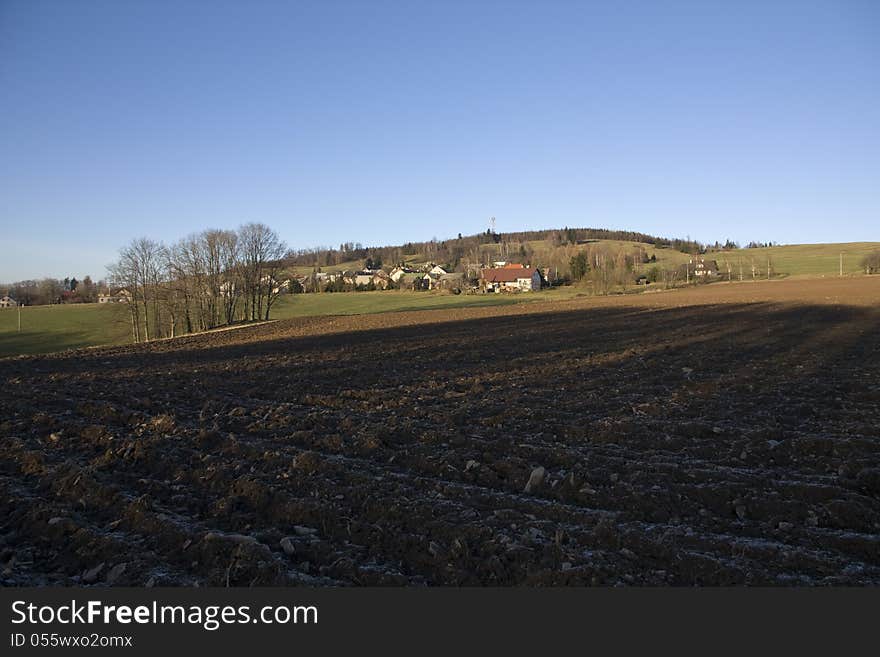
383, 122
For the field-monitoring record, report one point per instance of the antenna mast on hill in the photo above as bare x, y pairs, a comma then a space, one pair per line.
492, 225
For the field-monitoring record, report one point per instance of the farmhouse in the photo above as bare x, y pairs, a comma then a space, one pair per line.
429, 280
363, 278
375, 277
703, 267
7, 302
511, 277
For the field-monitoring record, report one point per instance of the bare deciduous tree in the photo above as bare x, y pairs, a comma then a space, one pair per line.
262, 251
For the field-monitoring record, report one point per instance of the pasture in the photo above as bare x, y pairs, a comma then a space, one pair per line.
45, 329
822, 260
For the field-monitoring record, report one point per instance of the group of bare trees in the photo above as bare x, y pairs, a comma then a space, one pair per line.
606, 268
610, 269
206, 280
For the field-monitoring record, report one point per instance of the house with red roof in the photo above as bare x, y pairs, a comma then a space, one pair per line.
511, 277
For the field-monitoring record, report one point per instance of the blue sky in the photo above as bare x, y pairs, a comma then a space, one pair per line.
383, 122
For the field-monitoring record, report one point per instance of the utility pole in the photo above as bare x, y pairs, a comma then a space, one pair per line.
19, 318
768, 269
841, 264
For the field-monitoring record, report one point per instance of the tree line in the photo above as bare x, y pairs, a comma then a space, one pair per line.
200, 282
469, 249
46, 291
606, 268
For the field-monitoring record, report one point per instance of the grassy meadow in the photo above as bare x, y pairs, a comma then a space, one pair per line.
801, 259
362, 303
45, 329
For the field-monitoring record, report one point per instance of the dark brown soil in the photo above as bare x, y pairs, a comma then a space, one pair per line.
725, 435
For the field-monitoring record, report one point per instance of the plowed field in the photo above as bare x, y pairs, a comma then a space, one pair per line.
725, 435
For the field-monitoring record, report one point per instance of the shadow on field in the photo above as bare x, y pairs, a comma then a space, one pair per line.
708, 339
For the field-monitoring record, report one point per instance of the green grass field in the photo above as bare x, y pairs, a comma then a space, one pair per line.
361, 303
801, 259
45, 329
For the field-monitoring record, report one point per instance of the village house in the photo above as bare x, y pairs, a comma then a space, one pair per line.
511, 277
282, 287
399, 272
381, 280
278, 287
378, 278
119, 296
7, 302
363, 278
703, 267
